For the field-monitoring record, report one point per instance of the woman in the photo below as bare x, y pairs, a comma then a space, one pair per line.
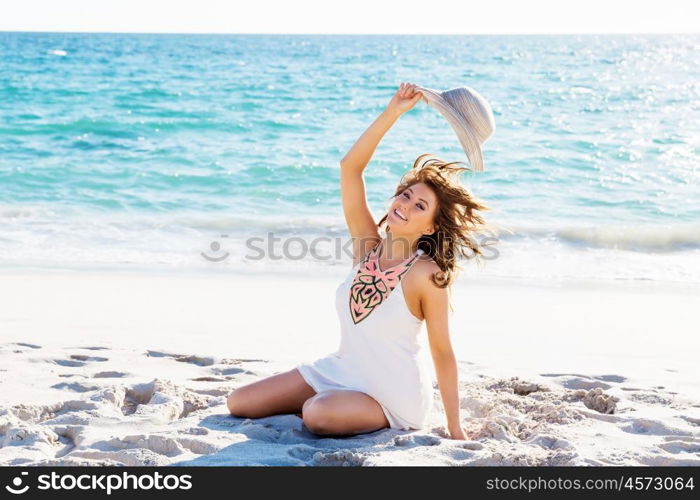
378, 377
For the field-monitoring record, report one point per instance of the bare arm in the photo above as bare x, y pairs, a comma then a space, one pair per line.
435, 308
359, 155
358, 216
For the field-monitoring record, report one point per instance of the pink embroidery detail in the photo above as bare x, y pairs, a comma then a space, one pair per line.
371, 286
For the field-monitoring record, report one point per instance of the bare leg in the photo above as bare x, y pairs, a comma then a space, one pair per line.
343, 412
280, 393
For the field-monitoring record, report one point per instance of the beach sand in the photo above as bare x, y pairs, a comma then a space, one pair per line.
133, 368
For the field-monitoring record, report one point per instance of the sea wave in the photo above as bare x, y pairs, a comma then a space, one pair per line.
638, 237
645, 238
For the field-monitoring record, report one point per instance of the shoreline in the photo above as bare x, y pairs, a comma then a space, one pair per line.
337, 271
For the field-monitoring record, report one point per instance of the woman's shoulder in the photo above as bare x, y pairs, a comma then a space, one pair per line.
426, 263
423, 269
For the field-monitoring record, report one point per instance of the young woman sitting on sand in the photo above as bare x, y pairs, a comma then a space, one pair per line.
378, 378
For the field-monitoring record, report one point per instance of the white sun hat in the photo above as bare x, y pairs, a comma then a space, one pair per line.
470, 116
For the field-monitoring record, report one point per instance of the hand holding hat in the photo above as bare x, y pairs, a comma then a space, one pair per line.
404, 99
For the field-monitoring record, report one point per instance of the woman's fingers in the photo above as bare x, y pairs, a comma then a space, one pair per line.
409, 89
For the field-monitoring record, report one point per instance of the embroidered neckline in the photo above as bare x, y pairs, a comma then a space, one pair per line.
371, 285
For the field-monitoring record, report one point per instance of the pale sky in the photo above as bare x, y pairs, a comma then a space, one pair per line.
352, 16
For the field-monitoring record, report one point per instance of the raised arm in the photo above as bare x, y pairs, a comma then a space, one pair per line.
358, 216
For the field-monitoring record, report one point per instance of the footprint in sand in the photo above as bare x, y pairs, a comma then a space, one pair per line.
616, 379
416, 440
471, 445
31, 346
162, 445
576, 381
209, 361
217, 393
304, 453
82, 357
681, 444
238, 361
68, 362
162, 398
183, 358
229, 371
549, 442
77, 360
109, 374
652, 427
691, 420
75, 387
257, 429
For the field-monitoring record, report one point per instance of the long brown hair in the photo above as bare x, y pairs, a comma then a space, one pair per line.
456, 219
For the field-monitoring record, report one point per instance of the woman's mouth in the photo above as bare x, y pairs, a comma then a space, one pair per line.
398, 214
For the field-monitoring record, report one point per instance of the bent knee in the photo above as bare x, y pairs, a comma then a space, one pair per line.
239, 404
318, 417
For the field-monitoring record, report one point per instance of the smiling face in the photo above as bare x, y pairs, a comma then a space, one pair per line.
412, 211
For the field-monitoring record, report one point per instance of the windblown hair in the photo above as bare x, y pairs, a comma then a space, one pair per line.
457, 218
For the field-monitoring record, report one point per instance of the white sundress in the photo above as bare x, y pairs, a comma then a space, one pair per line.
380, 351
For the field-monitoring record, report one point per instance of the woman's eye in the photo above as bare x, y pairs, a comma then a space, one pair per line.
419, 205
405, 194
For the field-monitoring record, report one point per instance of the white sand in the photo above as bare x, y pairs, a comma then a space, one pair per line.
134, 368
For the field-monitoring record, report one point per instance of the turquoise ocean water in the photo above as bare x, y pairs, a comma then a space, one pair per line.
158, 150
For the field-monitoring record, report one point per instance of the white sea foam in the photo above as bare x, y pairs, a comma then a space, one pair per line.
281, 243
